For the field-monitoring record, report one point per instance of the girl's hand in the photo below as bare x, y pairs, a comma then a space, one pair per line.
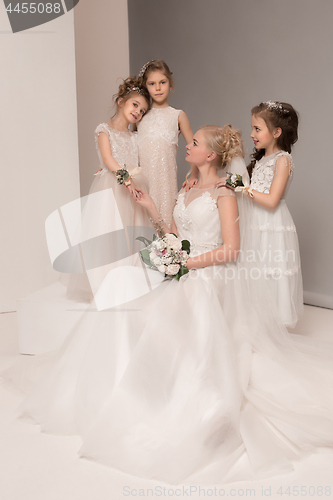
221, 183
133, 190
189, 183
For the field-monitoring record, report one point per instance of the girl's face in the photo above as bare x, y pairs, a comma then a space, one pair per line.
158, 86
262, 137
134, 108
197, 151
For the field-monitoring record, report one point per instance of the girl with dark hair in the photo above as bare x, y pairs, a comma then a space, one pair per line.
272, 240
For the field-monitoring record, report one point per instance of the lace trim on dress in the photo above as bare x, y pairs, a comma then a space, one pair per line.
185, 220
274, 229
211, 202
277, 271
265, 169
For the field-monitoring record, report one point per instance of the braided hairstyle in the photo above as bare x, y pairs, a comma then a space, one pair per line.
276, 114
225, 141
155, 65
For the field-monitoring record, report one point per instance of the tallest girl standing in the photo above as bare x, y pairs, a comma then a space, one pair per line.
158, 138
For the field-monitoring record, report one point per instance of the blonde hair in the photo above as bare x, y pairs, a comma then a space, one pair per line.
225, 141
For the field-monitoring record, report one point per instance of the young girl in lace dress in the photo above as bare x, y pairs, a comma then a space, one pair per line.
115, 210
273, 242
158, 138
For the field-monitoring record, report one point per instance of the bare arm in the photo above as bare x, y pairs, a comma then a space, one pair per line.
148, 203
105, 148
186, 131
228, 211
271, 200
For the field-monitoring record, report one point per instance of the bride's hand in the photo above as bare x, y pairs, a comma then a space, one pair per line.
144, 199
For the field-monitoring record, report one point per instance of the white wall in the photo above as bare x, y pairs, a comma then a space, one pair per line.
38, 154
227, 56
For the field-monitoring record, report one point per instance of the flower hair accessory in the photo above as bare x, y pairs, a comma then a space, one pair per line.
144, 69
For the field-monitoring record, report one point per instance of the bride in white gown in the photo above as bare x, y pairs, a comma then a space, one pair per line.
187, 379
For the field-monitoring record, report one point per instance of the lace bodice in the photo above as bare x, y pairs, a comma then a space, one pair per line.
124, 146
264, 171
197, 218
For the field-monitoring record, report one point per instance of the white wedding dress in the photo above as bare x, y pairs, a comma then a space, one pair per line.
190, 377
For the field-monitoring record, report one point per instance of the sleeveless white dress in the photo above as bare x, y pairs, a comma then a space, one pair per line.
193, 376
273, 244
158, 133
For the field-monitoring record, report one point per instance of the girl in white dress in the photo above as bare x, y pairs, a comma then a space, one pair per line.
158, 138
202, 374
272, 243
109, 209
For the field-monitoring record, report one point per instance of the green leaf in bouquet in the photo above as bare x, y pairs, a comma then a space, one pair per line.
182, 271
144, 240
186, 246
145, 256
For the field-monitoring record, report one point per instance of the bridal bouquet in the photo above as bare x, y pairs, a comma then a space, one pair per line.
168, 254
239, 183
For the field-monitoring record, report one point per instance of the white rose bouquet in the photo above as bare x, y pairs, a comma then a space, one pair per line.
168, 254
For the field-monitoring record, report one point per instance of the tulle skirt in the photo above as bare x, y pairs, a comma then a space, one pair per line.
271, 251
188, 378
109, 224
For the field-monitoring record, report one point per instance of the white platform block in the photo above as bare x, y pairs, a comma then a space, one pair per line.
45, 318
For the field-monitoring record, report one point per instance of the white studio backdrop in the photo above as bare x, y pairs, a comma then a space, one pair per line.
57, 82
39, 153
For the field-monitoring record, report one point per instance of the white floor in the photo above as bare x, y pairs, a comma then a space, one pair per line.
36, 466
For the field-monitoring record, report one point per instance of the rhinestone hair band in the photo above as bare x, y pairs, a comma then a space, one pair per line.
274, 105
135, 89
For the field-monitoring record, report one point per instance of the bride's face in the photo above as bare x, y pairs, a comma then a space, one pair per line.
196, 151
